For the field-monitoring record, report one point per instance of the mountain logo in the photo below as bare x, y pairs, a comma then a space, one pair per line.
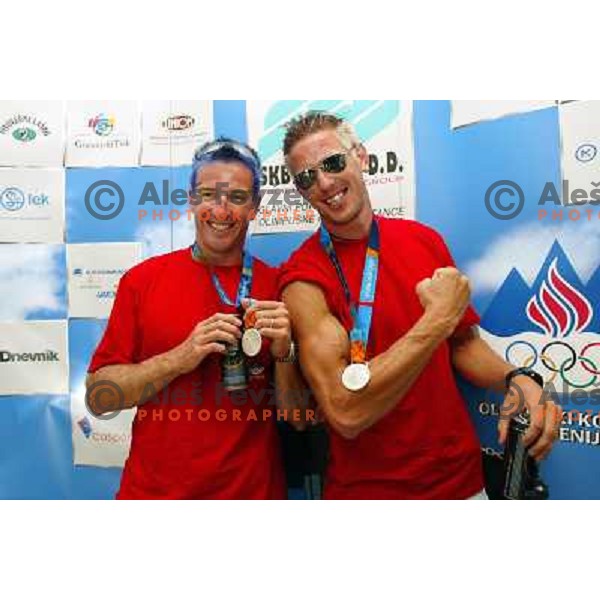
552, 326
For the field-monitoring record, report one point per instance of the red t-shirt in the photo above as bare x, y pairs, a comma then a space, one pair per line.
193, 439
426, 446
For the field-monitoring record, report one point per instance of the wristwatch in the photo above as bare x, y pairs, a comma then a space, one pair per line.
291, 355
528, 373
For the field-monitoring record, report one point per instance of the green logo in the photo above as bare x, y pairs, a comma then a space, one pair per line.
24, 134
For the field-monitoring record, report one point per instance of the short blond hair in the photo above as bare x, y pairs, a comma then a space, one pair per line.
314, 121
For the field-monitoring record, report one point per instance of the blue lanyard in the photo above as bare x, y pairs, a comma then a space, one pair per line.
362, 316
245, 280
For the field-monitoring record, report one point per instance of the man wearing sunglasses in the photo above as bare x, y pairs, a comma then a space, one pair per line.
382, 317
206, 425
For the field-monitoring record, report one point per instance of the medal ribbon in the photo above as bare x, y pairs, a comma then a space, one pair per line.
363, 314
245, 280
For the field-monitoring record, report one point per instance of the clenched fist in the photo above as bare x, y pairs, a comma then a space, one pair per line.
445, 296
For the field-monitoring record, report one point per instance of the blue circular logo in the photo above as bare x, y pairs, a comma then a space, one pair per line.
12, 199
586, 153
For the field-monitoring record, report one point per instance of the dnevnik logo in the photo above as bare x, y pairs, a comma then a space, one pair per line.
15, 357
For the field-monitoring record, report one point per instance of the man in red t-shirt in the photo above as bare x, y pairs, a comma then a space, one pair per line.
174, 319
382, 317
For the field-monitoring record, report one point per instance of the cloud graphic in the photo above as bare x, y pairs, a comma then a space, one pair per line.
160, 237
526, 247
184, 233
155, 237
32, 278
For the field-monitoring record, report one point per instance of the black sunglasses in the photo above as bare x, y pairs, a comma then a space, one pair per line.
335, 163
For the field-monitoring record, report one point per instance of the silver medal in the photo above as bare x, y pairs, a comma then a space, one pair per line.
251, 342
356, 376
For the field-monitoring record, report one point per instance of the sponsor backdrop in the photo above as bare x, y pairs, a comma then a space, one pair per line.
88, 189
384, 126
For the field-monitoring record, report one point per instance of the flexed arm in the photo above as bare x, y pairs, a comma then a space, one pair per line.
324, 350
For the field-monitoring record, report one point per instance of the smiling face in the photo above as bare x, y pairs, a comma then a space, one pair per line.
222, 207
341, 198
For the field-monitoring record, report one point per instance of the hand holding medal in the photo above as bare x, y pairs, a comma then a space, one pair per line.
233, 366
266, 319
251, 338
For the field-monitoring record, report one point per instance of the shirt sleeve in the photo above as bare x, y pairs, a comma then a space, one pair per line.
470, 318
303, 267
118, 345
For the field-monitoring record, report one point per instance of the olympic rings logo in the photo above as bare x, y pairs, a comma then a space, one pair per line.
558, 366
